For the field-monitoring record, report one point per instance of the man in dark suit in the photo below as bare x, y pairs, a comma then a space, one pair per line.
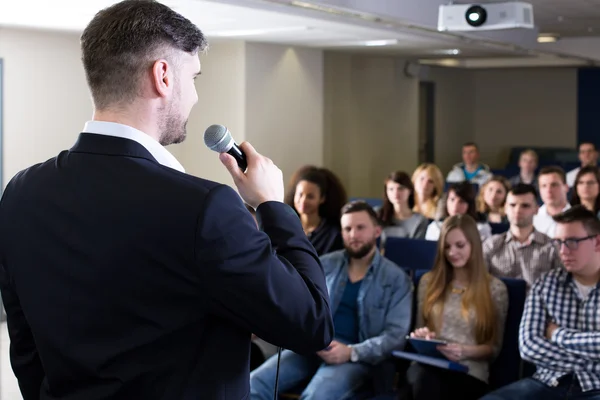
125, 278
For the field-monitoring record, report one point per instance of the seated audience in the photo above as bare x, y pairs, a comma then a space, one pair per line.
491, 198
522, 252
588, 156
553, 190
371, 300
587, 188
528, 163
470, 169
429, 188
560, 328
459, 200
317, 195
461, 303
396, 215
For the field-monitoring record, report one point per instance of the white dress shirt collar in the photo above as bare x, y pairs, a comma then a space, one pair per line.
162, 155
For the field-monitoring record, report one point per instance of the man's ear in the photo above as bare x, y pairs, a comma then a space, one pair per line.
162, 77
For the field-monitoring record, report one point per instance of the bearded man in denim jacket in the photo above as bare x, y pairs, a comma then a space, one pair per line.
371, 302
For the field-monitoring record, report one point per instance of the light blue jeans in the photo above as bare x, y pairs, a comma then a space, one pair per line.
329, 382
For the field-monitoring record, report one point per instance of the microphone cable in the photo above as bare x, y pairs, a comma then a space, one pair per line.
275, 397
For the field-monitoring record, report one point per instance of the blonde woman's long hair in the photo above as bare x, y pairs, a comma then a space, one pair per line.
430, 205
477, 298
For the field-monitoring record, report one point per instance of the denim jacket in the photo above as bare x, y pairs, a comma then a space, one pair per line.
384, 301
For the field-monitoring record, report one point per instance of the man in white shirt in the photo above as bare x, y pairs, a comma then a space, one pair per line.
553, 190
471, 169
588, 155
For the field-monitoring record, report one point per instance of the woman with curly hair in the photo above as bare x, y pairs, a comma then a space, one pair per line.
318, 196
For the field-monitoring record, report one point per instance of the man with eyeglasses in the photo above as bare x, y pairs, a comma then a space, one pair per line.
560, 328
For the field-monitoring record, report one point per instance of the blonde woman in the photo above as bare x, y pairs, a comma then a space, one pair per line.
461, 303
428, 182
491, 199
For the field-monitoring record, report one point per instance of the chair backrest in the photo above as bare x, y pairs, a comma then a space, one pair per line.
500, 227
411, 254
507, 366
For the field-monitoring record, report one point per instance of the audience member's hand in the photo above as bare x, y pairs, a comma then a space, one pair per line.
453, 351
423, 333
550, 329
253, 337
336, 353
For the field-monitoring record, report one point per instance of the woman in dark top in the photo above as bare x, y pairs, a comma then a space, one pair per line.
491, 199
318, 196
587, 189
396, 214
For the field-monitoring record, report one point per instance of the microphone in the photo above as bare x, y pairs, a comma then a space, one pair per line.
218, 138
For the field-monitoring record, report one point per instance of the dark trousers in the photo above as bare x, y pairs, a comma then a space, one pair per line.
568, 388
424, 382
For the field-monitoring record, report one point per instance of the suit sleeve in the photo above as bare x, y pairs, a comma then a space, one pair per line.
269, 282
24, 356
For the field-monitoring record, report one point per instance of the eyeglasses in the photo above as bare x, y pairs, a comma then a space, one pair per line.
571, 243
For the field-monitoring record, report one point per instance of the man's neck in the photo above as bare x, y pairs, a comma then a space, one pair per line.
527, 177
554, 209
521, 234
358, 267
130, 118
472, 167
590, 278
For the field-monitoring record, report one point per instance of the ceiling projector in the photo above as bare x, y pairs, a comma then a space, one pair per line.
490, 16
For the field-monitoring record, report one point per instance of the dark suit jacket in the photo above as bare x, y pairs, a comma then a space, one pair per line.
126, 279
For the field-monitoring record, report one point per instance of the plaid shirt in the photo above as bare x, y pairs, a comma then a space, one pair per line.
575, 345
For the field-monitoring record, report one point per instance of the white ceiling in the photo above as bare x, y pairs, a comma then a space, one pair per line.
241, 19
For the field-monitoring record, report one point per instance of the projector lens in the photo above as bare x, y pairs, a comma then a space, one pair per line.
476, 16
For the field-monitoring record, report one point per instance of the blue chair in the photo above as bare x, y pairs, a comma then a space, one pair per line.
411, 254
507, 366
499, 227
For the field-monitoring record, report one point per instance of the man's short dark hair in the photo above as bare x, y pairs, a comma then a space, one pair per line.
124, 40
588, 143
581, 214
471, 144
554, 170
521, 189
358, 206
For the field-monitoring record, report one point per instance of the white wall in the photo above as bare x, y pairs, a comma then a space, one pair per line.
46, 101
454, 110
221, 89
371, 111
524, 107
503, 108
284, 104
268, 94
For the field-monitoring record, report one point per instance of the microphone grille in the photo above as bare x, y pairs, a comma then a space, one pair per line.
217, 138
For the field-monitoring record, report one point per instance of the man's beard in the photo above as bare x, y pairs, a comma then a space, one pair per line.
173, 128
362, 251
